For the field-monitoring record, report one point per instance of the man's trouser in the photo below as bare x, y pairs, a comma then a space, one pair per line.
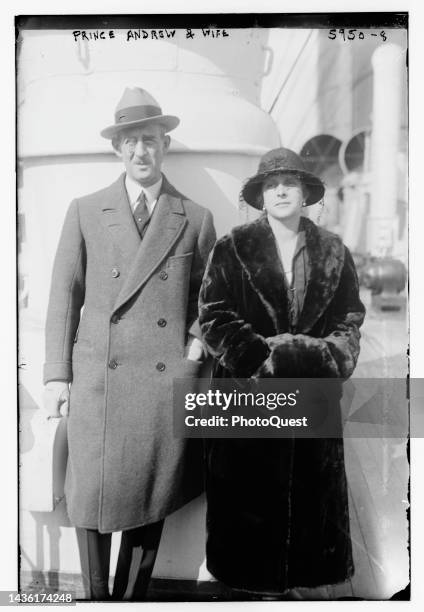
136, 559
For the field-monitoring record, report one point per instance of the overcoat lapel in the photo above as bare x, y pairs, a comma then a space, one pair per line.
118, 218
256, 250
166, 225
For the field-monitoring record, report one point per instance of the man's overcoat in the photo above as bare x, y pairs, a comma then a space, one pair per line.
118, 320
278, 508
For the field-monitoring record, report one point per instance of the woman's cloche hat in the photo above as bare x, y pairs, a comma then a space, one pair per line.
281, 160
138, 108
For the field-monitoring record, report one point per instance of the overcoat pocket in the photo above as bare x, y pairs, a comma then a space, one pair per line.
179, 260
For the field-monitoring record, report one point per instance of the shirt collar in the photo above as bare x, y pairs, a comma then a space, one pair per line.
134, 189
301, 235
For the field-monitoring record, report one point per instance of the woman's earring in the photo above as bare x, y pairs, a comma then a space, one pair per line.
303, 204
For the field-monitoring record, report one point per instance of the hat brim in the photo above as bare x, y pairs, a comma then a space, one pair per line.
169, 122
253, 186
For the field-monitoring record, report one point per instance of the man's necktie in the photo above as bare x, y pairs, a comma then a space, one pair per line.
141, 214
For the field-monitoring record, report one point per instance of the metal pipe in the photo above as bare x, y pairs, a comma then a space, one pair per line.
386, 121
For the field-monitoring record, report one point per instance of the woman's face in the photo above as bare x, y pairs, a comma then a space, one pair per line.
283, 195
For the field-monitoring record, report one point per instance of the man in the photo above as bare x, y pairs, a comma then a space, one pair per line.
121, 324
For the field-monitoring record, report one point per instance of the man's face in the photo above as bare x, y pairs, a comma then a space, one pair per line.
142, 150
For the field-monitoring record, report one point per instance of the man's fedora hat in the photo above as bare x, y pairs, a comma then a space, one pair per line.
137, 108
281, 160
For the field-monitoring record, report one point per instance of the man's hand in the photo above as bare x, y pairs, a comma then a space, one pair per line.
194, 349
56, 399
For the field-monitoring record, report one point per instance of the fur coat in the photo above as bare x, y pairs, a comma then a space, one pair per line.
278, 508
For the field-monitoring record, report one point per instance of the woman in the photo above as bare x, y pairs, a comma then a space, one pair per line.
279, 298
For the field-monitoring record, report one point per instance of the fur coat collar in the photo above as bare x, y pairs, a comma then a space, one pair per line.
256, 249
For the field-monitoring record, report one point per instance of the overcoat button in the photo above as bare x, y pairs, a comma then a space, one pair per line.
115, 272
112, 364
160, 366
115, 318
163, 275
161, 322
